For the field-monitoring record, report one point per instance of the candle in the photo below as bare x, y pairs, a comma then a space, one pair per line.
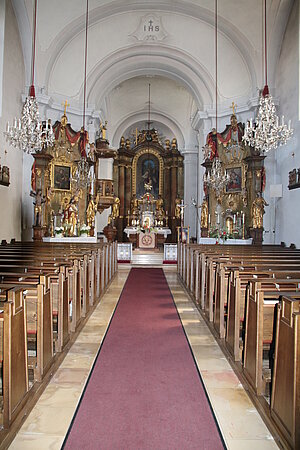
128, 212
218, 218
209, 218
234, 219
243, 218
7, 127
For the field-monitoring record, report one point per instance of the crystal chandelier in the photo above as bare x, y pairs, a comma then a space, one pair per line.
268, 131
29, 133
216, 178
83, 176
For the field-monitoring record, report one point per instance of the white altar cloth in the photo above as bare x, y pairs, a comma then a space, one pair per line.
74, 239
204, 240
135, 230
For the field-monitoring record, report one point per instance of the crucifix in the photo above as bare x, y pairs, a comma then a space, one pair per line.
66, 104
233, 106
181, 206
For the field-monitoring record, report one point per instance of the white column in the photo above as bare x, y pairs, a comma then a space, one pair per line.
190, 188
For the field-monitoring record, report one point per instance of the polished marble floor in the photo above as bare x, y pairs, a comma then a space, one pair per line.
240, 423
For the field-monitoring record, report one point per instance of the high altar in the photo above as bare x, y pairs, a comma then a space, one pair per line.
148, 179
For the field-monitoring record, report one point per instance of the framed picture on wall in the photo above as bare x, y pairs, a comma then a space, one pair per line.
61, 179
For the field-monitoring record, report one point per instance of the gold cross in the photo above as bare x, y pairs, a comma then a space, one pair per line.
66, 104
233, 105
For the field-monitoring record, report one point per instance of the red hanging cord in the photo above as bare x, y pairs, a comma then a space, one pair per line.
32, 89
266, 87
85, 60
216, 60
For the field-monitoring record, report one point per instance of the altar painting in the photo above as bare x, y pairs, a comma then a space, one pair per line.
147, 172
235, 179
61, 177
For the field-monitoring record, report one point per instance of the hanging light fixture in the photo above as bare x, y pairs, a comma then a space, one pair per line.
216, 178
267, 132
83, 176
29, 133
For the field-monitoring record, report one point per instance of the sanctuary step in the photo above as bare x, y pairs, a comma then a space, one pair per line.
147, 258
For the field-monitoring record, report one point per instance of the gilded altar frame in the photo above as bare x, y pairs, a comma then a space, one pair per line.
134, 168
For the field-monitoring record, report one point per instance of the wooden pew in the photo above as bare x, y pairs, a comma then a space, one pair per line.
238, 282
13, 348
260, 302
285, 399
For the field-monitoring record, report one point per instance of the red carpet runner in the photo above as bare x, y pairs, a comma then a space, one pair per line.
145, 391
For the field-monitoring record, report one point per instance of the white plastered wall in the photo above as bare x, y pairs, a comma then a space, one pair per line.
288, 157
13, 85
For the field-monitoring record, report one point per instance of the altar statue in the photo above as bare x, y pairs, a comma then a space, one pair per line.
257, 211
159, 207
38, 207
177, 208
71, 215
134, 206
90, 213
116, 208
204, 214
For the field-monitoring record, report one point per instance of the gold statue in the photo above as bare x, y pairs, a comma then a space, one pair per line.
103, 129
71, 215
174, 144
177, 208
90, 213
122, 142
257, 211
134, 206
204, 214
116, 208
159, 207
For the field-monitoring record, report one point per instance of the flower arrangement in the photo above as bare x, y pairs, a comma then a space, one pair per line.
222, 234
59, 231
84, 230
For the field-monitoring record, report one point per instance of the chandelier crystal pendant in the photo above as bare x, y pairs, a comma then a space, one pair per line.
29, 133
216, 178
267, 132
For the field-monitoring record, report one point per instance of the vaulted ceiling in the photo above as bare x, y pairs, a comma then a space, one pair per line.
178, 62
